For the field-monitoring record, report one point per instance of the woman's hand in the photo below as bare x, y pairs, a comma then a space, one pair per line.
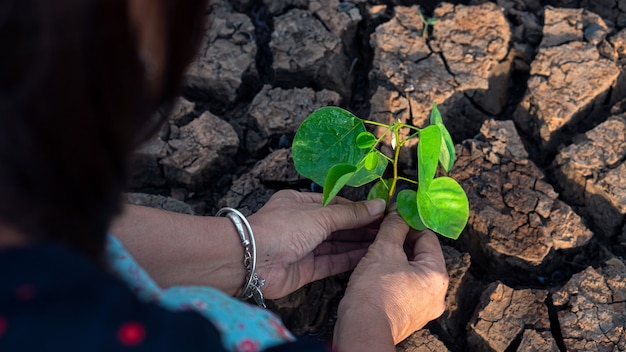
299, 241
398, 287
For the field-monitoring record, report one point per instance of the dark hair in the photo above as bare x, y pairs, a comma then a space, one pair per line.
73, 105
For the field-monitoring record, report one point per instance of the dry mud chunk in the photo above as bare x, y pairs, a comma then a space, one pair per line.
304, 50
145, 166
280, 111
404, 66
402, 60
401, 37
592, 173
567, 88
462, 295
277, 167
226, 59
525, 24
503, 315
249, 192
160, 202
421, 341
311, 309
613, 11
516, 218
563, 25
592, 308
433, 84
200, 149
473, 39
277, 7
341, 18
474, 42
537, 341
181, 112
618, 44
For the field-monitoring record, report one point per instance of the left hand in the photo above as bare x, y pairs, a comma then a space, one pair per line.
299, 241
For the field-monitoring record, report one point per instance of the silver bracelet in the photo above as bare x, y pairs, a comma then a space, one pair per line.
252, 287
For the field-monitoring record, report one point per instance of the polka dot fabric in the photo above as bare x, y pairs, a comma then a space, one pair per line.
243, 327
53, 298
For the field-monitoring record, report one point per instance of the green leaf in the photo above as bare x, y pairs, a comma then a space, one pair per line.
443, 207
380, 190
428, 151
371, 160
337, 177
435, 115
406, 203
363, 176
326, 138
365, 140
447, 154
432, 20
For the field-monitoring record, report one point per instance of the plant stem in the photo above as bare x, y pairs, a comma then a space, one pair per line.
401, 125
407, 180
396, 156
376, 123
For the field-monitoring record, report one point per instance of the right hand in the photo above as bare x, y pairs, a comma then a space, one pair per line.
401, 283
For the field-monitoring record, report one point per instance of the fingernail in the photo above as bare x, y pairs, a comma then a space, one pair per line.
376, 206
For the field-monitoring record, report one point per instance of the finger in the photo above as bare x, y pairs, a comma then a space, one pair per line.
393, 229
309, 197
426, 245
340, 200
354, 235
336, 247
351, 215
333, 264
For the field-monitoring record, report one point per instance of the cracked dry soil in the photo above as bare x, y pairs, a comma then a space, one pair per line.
533, 92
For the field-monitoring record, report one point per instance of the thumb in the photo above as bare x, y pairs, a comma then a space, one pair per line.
343, 216
393, 230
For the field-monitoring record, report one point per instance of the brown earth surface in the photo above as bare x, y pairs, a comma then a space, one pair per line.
534, 94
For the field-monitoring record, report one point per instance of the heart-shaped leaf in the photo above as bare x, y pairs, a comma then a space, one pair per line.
380, 190
364, 176
443, 207
326, 138
337, 177
447, 154
371, 160
435, 115
365, 140
407, 208
428, 151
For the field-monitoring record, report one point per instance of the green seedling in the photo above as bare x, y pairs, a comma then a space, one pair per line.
333, 148
427, 21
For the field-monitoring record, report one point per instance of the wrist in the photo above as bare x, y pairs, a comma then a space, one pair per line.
252, 286
362, 327
216, 259
183, 250
227, 270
